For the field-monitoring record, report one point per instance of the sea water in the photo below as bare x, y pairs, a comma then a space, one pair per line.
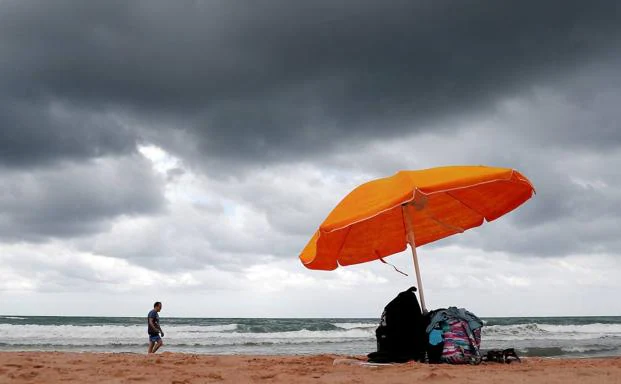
532, 336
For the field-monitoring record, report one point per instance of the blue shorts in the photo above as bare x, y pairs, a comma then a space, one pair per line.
154, 338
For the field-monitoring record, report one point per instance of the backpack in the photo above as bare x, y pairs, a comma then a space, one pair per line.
454, 336
401, 332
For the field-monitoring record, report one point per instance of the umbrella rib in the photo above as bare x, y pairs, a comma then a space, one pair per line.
449, 226
466, 205
343, 244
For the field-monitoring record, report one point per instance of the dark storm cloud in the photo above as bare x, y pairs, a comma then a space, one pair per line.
273, 79
42, 132
74, 200
243, 82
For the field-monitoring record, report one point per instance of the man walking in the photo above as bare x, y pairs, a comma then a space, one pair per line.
153, 328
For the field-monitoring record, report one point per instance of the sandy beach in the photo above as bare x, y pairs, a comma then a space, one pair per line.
57, 367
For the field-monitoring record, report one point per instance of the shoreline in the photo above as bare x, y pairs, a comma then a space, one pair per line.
169, 367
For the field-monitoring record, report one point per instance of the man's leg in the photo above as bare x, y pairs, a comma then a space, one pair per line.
158, 345
151, 344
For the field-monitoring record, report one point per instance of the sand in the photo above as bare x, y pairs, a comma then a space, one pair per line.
60, 367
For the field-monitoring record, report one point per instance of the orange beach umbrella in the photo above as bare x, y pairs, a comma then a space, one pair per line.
379, 218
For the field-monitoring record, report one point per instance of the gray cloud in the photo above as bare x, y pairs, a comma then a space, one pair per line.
263, 82
72, 200
43, 132
354, 89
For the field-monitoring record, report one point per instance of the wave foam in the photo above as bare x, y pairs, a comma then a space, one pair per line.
73, 334
355, 325
551, 332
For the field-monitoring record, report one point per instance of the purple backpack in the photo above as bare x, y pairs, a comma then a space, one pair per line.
451, 338
461, 345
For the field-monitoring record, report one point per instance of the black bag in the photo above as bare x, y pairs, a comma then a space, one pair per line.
401, 334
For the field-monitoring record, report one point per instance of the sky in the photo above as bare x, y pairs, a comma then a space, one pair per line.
187, 151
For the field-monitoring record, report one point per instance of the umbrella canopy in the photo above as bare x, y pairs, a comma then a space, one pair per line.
381, 217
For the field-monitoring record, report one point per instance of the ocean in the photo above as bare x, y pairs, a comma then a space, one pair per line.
531, 336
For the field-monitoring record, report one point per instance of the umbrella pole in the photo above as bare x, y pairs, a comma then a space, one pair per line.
412, 242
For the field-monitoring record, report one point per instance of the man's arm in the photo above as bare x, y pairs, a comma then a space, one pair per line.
155, 327
152, 325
